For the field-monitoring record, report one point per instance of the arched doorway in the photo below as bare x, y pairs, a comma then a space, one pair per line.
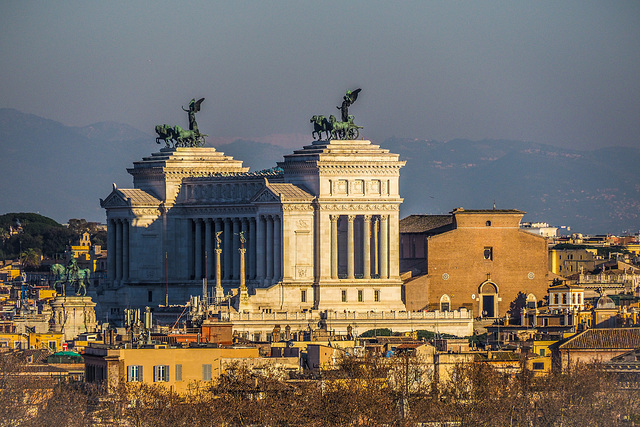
488, 299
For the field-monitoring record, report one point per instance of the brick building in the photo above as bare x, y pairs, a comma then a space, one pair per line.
476, 259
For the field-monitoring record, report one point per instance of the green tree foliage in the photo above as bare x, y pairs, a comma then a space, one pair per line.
43, 235
31, 259
379, 332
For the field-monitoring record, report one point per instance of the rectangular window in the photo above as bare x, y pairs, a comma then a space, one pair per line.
344, 295
161, 373
206, 372
53, 346
150, 296
256, 337
360, 295
178, 372
303, 296
134, 373
488, 253
538, 366
542, 352
555, 299
564, 298
376, 295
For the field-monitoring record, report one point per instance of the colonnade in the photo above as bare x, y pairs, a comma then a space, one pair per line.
373, 262
263, 244
118, 244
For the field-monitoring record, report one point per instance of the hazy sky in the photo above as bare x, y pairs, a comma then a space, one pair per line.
565, 73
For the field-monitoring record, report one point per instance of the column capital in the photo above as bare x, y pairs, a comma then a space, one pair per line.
351, 218
334, 218
367, 218
384, 218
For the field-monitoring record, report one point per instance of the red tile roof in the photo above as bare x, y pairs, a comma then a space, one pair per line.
606, 338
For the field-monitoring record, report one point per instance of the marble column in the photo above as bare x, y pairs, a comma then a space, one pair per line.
198, 249
269, 250
219, 291
252, 248
277, 248
260, 248
227, 251
208, 248
111, 250
244, 271
125, 249
218, 226
366, 246
350, 247
334, 245
236, 246
188, 231
384, 246
376, 251
118, 249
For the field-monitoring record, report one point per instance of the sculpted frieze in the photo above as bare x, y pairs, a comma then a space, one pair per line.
220, 211
296, 207
304, 224
148, 211
359, 207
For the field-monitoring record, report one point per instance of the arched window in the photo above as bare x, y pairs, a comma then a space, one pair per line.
531, 301
488, 223
445, 303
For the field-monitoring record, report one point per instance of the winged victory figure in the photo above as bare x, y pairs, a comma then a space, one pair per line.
347, 100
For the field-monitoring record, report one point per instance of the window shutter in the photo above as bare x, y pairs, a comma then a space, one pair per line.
129, 373
166, 373
140, 377
178, 372
206, 372
156, 373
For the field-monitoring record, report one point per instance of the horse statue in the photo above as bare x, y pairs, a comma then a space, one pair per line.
71, 275
321, 124
165, 133
339, 129
187, 138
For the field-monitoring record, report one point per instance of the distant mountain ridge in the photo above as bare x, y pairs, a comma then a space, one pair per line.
591, 191
62, 171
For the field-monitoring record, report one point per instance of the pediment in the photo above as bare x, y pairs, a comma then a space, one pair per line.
266, 196
115, 200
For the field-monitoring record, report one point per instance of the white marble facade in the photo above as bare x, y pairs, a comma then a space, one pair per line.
321, 229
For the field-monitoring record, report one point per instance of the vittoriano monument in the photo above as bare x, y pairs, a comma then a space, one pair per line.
334, 129
176, 136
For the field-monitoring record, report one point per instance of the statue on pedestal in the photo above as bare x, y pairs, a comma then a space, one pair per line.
71, 275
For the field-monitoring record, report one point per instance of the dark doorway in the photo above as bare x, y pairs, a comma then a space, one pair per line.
488, 305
